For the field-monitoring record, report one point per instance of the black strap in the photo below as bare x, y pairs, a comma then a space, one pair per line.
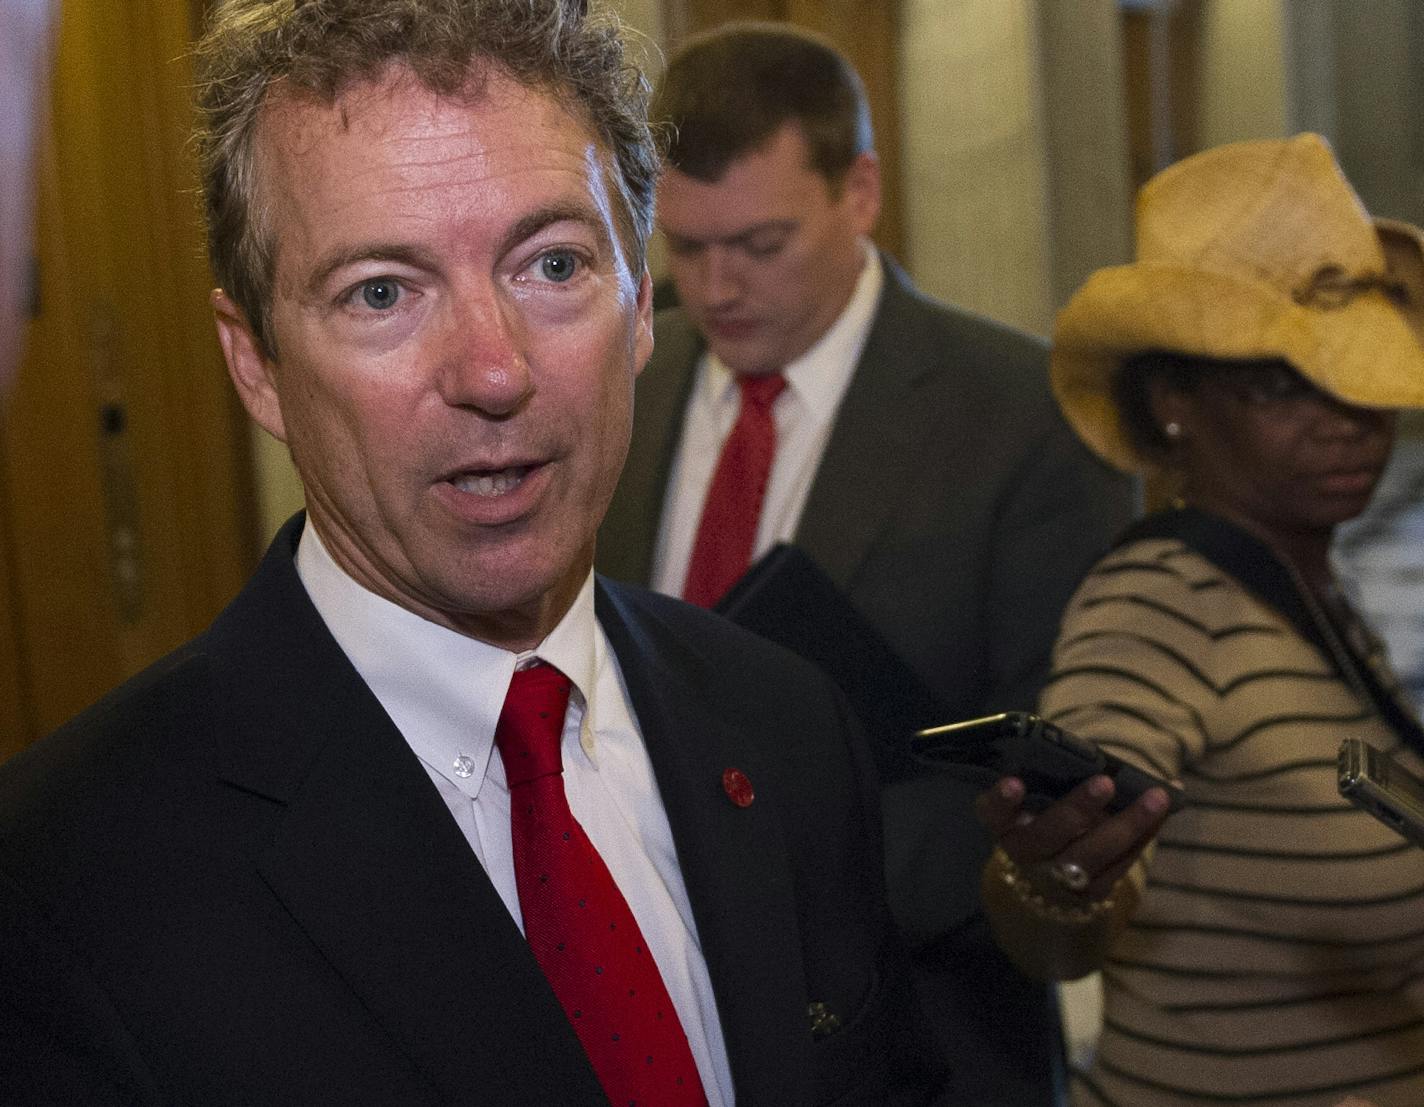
1256, 567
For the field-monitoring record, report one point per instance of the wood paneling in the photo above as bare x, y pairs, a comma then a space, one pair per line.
701, 14
128, 507
1162, 74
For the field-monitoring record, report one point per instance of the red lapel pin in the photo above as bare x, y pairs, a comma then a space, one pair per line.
737, 787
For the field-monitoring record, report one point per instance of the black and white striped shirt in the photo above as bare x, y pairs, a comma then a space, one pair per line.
1277, 954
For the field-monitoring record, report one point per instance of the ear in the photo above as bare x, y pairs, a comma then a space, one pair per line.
1169, 404
253, 373
860, 192
643, 334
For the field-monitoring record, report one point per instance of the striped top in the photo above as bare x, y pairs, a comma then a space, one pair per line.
1277, 954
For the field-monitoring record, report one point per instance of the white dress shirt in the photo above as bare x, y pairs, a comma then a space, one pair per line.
444, 692
805, 412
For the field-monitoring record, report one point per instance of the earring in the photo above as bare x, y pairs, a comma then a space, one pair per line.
1173, 430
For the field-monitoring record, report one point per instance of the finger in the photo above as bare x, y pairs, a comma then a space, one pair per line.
1111, 848
999, 807
1125, 835
1061, 823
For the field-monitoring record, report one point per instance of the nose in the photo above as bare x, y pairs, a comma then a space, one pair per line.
719, 277
484, 365
1336, 418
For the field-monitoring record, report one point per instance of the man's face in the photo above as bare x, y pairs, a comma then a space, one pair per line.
766, 258
457, 334
24, 56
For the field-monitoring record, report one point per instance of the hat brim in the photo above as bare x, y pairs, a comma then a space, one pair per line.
1362, 351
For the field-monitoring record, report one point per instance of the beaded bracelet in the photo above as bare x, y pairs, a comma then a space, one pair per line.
1025, 893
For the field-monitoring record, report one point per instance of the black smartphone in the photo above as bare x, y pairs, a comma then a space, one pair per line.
1374, 782
1050, 761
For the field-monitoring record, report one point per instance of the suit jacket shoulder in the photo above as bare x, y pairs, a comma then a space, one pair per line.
813, 827
952, 504
216, 864
233, 882
629, 532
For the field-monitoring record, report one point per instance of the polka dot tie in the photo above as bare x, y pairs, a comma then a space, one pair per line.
726, 533
577, 923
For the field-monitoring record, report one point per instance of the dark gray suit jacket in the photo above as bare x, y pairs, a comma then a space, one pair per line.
958, 512
232, 882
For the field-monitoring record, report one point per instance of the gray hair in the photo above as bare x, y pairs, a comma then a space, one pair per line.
322, 48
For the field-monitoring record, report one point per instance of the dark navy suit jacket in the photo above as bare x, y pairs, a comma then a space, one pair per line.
232, 882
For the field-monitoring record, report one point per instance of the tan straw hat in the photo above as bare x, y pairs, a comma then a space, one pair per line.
1251, 250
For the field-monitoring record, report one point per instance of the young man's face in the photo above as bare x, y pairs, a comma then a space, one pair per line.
766, 258
456, 335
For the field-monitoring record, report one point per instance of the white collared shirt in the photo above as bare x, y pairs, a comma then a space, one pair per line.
805, 412
444, 692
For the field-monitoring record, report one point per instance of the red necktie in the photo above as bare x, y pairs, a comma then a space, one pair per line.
727, 531
576, 921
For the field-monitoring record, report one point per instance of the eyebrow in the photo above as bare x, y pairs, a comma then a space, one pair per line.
741, 238
564, 212
403, 253
418, 257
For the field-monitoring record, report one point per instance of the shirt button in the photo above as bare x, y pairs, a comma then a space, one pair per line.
464, 766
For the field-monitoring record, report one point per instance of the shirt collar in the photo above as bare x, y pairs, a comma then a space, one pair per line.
442, 689
820, 376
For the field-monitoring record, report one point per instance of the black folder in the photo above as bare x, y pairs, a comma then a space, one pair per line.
789, 599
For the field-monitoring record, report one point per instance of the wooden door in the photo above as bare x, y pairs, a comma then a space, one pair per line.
126, 505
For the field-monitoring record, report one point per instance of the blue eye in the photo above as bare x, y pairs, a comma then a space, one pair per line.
559, 266
380, 294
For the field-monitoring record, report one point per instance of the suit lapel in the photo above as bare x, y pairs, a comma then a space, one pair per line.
733, 859
628, 536
873, 452
364, 856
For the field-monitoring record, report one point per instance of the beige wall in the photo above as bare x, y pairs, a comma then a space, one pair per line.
645, 18
646, 37
1376, 50
1243, 77
1015, 151
975, 168
279, 492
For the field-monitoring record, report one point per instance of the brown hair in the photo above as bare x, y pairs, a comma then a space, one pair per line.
727, 91
321, 48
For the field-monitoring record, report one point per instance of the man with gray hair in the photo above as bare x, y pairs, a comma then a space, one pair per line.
430, 814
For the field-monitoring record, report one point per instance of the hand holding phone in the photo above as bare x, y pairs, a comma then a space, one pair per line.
1050, 761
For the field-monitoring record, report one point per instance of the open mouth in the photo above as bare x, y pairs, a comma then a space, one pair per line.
491, 482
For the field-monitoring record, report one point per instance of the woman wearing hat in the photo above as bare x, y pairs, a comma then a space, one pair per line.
1266, 943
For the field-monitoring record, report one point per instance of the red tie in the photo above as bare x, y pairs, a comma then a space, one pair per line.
727, 532
576, 921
